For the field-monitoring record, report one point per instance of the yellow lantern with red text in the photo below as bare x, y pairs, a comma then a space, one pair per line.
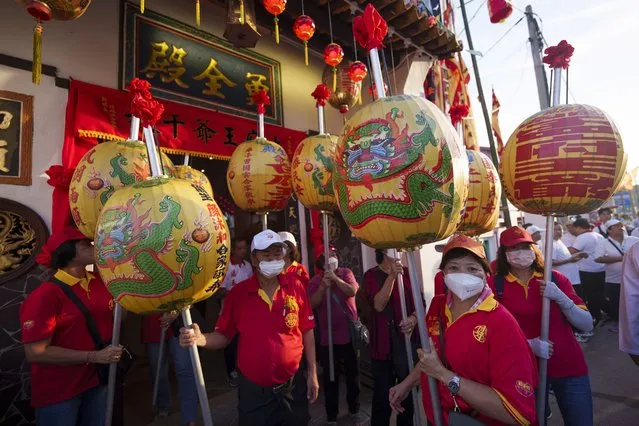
161, 245
312, 172
259, 176
194, 177
481, 213
564, 160
104, 169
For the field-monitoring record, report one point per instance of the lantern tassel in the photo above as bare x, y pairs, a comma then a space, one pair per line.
242, 12
141, 6
36, 70
359, 98
334, 79
277, 30
197, 12
306, 52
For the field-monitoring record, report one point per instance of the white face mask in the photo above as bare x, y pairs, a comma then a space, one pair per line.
271, 268
521, 258
464, 286
333, 263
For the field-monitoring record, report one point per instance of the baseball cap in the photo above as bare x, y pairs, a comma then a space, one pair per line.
513, 236
533, 229
611, 222
56, 239
287, 236
265, 239
466, 243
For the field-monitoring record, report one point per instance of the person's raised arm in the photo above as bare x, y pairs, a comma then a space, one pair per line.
383, 295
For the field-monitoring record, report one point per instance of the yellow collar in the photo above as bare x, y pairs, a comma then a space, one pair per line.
70, 280
512, 278
487, 305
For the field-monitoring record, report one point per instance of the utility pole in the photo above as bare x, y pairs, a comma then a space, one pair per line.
537, 47
484, 108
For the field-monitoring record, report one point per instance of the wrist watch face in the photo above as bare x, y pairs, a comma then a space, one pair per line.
453, 385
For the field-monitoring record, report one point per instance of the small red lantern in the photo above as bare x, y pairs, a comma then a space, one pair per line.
275, 7
333, 55
499, 10
358, 72
304, 28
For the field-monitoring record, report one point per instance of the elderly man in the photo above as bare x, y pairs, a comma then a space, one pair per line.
272, 317
605, 214
611, 252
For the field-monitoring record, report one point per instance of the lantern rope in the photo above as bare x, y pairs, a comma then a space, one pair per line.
303, 13
390, 92
393, 67
330, 20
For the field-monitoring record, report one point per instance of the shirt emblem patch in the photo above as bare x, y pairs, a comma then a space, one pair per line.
28, 324
480, 332
524, 389
291, 304
291, 320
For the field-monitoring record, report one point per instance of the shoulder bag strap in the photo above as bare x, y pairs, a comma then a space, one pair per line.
615, 246
342, 307
499, 281
441, 341
93, 329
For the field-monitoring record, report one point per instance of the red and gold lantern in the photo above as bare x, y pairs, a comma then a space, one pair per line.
333, 55
357, 71
564, 160
275, 8
499, 10
304, 28
346, 91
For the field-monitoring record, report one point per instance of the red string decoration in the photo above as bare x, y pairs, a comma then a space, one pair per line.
139, 86
458, 113
262, 100
59, 176
370, 29
149, 111
321, 94
559, 56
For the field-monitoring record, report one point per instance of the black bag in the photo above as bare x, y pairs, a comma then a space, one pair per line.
358, 331
500, 283
126, 360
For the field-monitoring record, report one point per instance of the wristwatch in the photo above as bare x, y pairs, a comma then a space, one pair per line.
453, 385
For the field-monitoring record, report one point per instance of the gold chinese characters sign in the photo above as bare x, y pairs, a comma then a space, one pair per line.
187, 65
16, 135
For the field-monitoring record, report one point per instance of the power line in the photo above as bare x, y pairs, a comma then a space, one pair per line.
502, 37
472, 17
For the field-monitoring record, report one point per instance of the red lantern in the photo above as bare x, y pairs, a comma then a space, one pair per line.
499, 10
358, 72
304, 28
275, 7
333, 55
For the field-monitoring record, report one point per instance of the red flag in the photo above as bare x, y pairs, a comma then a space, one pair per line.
495, 125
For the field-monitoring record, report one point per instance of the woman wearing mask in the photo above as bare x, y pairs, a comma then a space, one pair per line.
65, 386
292, 259
482, 363
520, 287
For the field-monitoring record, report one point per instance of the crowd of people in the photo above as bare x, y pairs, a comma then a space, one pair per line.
484, 325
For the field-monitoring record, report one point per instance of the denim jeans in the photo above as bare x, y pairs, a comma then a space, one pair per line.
184, 372
574, 399
86, 409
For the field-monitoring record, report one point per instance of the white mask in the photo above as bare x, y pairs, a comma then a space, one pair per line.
521, 258
271, 268
333, 263
464, 286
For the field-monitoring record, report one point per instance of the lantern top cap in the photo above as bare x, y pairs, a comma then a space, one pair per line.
266, 239
513, 236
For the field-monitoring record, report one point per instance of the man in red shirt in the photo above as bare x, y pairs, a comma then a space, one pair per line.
272, 317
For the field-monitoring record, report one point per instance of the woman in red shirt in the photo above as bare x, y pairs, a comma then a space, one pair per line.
65, 387
481, 362
292, 259
520, 287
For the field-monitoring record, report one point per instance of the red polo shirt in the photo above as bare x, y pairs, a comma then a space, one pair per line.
270, 333
48, 313
298, 271
524, 300
487, 346
440, 287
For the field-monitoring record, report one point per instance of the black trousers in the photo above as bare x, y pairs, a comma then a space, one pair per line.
593, 287
580, 291
613, 292
346, 354
384, 378
230, 356
285, 405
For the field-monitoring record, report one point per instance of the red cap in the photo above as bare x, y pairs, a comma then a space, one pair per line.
466, 243
56, 240
513, 236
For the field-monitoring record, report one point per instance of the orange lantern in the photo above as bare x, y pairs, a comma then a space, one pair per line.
304, 28
484, 196
346, 92
275, 8
333, 55
564, 160
499, 10
357, 71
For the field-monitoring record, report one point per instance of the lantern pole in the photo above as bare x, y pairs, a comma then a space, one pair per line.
409, 348
484, 108
156, 383
135, 128
320, 119
113, 368
264, 220
187, 157
329, 307
197, 372
418, 300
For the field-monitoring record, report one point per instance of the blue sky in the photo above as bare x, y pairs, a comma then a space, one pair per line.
603, 69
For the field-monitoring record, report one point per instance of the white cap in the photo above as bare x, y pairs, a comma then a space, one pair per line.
532, 229
287, 236
611, 222
265, 239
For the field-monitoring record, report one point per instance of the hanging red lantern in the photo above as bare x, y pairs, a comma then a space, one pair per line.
357, 71
333, 55
499, 10
275, 8
304, 28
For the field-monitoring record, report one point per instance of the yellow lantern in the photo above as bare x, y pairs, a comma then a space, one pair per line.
484, 196
259, 176
104, 169
193, 176
401, 173
312, 172
161, 245
565, 160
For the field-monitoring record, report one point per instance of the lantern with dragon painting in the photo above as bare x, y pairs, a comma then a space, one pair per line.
564, 160
194, 177
481, 213
347, 91
104, 169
